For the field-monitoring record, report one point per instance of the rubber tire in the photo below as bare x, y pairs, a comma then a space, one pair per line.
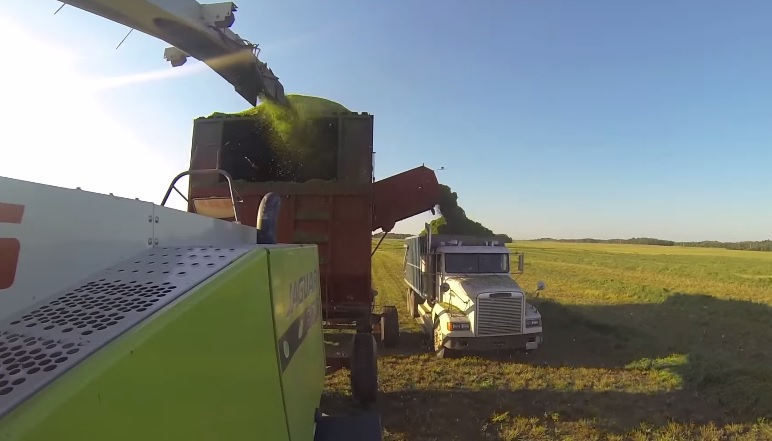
389, 327
364, 368
441, 352
412, 303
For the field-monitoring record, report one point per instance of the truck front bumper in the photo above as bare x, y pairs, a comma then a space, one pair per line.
502, 342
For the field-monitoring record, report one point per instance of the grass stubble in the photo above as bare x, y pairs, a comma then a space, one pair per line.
641, 343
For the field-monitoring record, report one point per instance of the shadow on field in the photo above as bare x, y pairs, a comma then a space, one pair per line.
410, 343
338, 345
719, 348
468, 414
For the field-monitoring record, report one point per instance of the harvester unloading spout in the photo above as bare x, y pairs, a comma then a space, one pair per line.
200, 31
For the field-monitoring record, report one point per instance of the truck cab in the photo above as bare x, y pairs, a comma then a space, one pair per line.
461, 290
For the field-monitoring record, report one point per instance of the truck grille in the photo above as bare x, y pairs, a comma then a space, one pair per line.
499, 316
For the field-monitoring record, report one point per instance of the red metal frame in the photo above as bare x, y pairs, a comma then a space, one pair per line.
339, 224
338, 216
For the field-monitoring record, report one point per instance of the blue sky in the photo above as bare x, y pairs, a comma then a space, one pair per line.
552, 118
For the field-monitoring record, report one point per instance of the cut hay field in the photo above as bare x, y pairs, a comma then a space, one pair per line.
641, 342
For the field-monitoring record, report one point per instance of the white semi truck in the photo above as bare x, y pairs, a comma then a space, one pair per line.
461, 290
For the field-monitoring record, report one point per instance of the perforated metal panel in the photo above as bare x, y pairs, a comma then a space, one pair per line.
41, 343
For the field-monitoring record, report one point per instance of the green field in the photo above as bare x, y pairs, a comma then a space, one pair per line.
641, 342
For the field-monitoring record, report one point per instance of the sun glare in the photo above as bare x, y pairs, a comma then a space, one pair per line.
56, 130
191, 67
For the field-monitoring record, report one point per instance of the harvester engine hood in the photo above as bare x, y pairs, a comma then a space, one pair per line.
201, 31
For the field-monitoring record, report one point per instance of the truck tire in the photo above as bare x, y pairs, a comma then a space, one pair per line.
439, 350
364, 368
412, 303
389, 327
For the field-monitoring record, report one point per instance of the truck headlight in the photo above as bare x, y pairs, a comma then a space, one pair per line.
458, 326
532, 323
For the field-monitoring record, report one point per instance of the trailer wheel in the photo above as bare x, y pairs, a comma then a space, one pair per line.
412, 303
364, 368
389, 327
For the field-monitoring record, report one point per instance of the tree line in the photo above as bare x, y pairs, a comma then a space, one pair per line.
750, 245
392, 235
452, 220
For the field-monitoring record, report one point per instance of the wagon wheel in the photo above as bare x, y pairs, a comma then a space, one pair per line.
364, 368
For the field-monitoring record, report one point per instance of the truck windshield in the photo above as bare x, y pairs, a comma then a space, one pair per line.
476, 263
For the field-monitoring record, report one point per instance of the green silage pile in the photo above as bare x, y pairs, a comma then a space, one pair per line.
289, 127
302, 147
453, 219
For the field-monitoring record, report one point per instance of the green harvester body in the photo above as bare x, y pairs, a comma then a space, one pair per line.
136, 322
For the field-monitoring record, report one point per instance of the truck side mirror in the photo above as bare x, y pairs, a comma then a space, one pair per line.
540, 285
521, 263
444, 287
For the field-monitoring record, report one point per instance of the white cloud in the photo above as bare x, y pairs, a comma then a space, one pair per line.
56, 131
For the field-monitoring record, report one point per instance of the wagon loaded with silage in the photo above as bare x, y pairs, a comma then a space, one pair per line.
293, 139
318, 156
